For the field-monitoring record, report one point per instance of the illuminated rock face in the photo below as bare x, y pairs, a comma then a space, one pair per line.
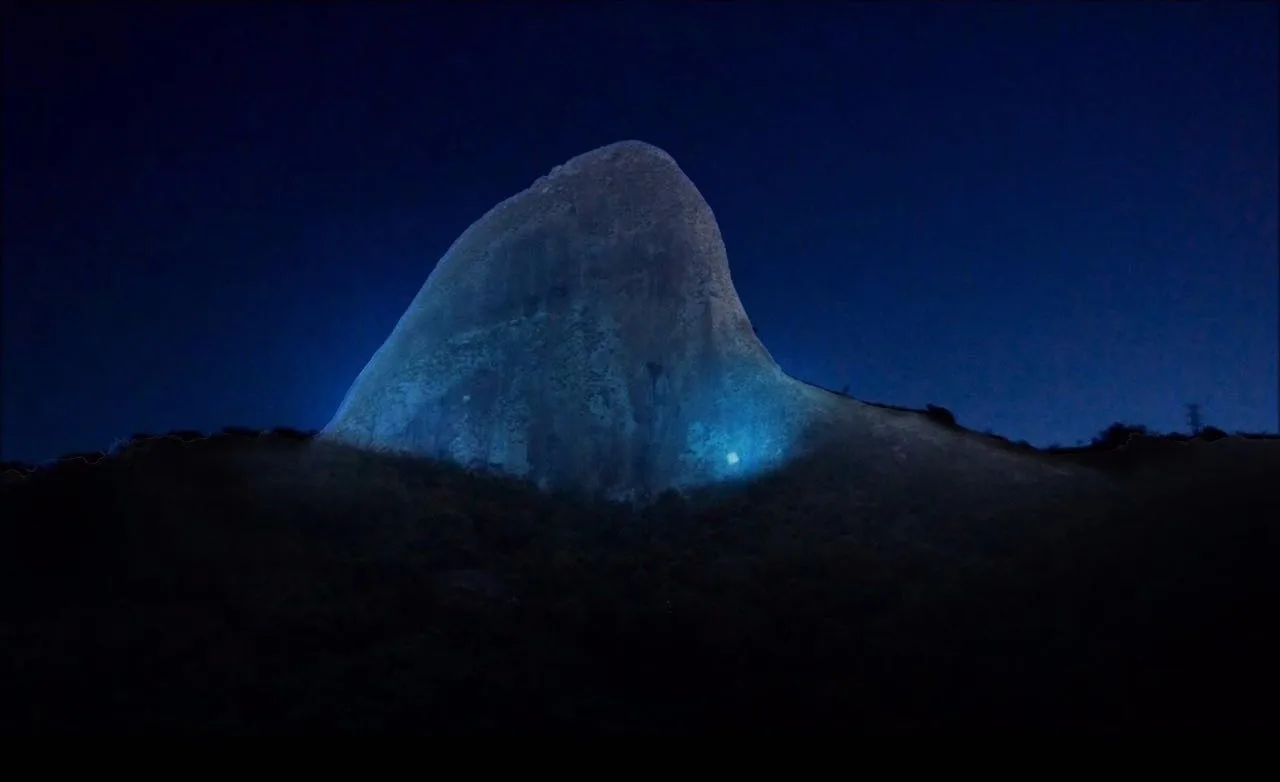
585, 334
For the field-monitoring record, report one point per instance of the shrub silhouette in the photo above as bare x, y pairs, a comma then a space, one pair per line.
134, 443
1210, 434
290, 433
940, 414
92, 457
1117, 435
240, 431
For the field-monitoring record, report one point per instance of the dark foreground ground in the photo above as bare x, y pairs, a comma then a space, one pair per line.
271, 585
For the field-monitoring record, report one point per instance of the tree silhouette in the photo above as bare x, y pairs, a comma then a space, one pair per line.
1193, 418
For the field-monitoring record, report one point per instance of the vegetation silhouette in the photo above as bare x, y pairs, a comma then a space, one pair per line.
271, 583
941, 414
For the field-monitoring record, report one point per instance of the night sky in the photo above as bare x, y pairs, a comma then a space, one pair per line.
1044, 217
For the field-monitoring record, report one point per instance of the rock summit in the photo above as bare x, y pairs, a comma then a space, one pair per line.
585, 334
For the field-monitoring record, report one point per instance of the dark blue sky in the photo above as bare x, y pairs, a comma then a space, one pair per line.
1045, 217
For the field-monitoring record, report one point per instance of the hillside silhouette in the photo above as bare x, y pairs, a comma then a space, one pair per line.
269, 583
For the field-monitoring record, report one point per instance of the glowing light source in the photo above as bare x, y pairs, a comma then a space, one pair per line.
731, 457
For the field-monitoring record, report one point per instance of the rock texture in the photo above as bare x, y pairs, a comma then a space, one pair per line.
585, 333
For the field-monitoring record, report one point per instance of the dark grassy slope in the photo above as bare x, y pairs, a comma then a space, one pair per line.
276, 585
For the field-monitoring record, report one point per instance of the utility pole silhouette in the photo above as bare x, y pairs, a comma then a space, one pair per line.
1193, 418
